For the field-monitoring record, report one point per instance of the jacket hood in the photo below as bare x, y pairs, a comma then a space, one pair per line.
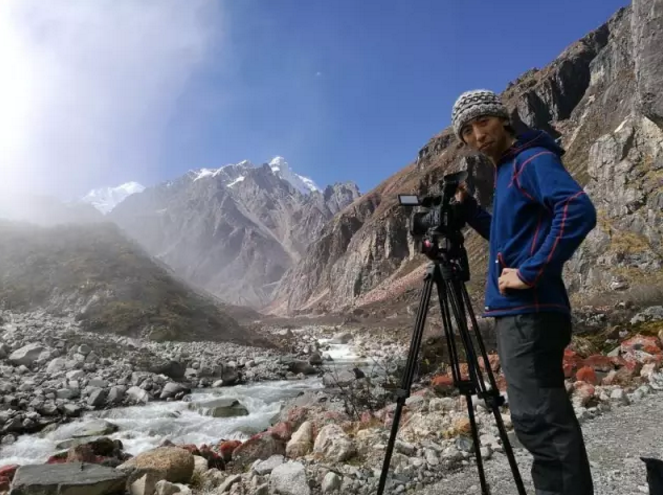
532, 139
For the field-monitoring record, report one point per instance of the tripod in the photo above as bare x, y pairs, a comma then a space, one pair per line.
448, 271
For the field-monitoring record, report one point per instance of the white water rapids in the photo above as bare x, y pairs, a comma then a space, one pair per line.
144, 427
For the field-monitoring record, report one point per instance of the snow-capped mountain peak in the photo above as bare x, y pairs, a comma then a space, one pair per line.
105, 199
234, 173
281, 168
229, 172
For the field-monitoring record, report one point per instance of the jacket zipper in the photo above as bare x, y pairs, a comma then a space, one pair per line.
500, 266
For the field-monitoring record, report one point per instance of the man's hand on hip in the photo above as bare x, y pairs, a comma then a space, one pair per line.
510, 280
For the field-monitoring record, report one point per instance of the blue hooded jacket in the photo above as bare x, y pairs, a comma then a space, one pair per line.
540, 217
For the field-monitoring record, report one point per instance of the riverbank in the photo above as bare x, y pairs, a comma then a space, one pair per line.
52, 373
330, 437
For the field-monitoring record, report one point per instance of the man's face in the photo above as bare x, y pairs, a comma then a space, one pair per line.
487, 135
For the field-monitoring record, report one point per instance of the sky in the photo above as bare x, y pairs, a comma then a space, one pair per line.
100, 93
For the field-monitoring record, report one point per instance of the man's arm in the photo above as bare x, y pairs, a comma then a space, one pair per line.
476, 217
546, 181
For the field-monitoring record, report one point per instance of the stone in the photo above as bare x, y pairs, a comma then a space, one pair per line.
226, 449
650, 345
260, 446
56, 366
442, 383
267, 466
282, 430
334, 444
26, 355
146, 484
73, 478
587, 374
290, 479
304, 367
172, 389
175, 463
652, 313
584, 393
163, 487
220, 408
598, 362
261, 489
315, 359
331, 482
116, 394
619, 396
95, 428
97, 397
229, 482
200, 464
443, 404
301, 442
648, 371
138, 395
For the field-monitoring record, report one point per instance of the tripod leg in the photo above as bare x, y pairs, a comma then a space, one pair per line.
471, 386
408, 374
475, 327
485, 489
493, 399
454, 362
467, 387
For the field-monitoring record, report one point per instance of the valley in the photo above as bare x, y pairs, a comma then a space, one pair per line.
241, 329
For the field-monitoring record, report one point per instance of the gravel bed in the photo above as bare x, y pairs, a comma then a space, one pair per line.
615, 442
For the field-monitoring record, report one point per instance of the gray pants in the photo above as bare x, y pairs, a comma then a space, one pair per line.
531, 350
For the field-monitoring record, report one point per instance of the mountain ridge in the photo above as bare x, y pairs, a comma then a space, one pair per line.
234, 230
108, 282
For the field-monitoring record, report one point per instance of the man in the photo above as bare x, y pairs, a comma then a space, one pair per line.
540, 217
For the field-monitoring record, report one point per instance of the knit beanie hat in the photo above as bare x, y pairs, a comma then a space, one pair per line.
472, 104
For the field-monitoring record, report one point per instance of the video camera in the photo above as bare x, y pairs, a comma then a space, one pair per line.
441, 216
442, 219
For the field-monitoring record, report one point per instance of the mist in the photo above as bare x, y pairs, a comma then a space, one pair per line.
88, 87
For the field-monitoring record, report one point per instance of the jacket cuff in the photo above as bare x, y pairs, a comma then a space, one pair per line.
524, 280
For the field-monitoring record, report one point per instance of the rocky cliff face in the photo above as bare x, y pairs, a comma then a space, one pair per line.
232, 231
602, 98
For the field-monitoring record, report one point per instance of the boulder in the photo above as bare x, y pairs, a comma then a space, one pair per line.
175, 464
26, 355
289, 479
304, 367
173, 389
172, 369
94, 429
73, 478
138, 395
334, 444
220, 408
301, 442
650, 345
260, 446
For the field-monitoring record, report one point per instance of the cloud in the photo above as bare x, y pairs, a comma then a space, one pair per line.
87, 87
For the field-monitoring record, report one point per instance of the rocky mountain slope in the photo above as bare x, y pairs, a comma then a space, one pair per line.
233, 231
601, 97
108, 282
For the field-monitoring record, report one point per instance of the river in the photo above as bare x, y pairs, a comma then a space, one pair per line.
144, 427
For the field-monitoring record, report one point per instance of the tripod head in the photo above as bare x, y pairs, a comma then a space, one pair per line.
438, 227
